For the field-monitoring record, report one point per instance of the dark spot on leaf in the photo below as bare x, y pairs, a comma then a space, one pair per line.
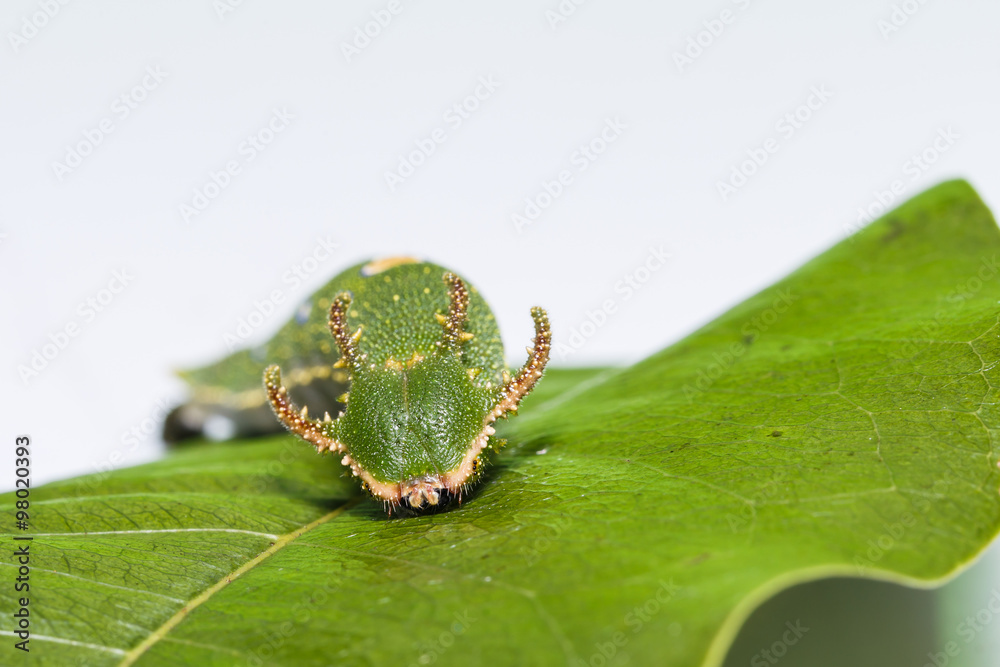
897, 228
775, 434
700, 558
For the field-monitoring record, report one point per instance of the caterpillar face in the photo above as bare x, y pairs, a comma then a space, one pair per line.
427, 380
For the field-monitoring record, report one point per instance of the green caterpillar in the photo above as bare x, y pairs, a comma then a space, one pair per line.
421, 354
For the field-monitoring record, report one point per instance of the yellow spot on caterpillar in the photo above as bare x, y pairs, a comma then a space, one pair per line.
377, 266
395, 297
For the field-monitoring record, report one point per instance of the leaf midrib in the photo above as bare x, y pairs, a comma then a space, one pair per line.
284, 540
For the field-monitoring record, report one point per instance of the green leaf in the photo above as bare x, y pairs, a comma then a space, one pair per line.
840, 422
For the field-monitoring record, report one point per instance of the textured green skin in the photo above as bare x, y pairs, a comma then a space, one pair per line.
309, 344
217, 387
398, 327
403, 424
398, 425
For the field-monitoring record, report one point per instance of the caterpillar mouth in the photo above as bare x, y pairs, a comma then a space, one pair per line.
425, 494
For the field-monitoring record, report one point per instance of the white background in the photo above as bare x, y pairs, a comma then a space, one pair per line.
324, 175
